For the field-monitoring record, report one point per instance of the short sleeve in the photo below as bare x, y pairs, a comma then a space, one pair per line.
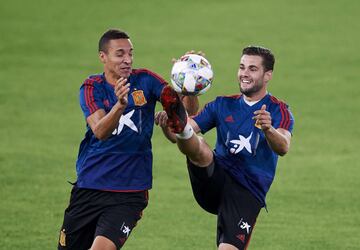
90, 98
282, 117
206, 118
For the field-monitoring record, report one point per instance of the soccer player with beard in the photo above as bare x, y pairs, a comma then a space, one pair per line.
114, 165
253, 129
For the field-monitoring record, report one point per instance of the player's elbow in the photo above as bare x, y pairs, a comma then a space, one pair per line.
100, 135
283, 150
281, 147
282, 153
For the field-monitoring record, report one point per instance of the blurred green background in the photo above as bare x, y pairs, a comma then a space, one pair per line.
47, 48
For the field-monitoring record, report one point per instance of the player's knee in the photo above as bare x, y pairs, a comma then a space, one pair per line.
225, 246
203, 155
202, 159
103, 243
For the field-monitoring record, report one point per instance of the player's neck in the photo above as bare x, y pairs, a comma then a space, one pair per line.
256, 97
110, 78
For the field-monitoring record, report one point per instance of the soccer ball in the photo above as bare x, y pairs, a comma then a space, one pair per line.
191, 75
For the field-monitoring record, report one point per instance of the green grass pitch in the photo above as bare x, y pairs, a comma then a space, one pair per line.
48, 47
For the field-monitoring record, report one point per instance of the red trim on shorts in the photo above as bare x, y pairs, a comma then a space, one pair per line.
247, 244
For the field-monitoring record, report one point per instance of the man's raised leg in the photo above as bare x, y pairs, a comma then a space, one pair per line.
190, 144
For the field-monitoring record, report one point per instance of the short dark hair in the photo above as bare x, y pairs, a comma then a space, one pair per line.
266, 54
111, 34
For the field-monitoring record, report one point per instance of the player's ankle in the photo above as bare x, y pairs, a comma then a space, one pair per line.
186, 133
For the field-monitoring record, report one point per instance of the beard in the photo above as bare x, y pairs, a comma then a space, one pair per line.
253, 90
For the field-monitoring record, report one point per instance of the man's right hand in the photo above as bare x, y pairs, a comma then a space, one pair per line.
121, 90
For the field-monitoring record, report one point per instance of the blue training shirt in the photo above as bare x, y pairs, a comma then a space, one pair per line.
123, 162
241, 148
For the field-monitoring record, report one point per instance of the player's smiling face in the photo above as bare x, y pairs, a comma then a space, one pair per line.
252, 76
118, 58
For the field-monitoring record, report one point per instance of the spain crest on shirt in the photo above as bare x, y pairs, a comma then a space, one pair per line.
139, 98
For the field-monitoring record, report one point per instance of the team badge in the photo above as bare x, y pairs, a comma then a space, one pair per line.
62, 238
139, 98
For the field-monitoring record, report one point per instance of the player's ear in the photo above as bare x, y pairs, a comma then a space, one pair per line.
268, 75
102, 56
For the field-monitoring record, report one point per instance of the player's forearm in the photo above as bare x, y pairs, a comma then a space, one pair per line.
107, 124
278, 142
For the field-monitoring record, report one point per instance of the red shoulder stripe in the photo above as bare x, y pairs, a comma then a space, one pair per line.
282, 116
285, 114
284, 123
90, 98
287, 124
97, 78
89, 95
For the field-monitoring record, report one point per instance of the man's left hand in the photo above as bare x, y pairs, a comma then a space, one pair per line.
263, 118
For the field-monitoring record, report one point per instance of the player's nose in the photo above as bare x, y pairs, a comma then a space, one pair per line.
244, 72
128, 59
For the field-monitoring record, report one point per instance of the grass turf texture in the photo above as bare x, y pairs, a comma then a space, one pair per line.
49, 47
